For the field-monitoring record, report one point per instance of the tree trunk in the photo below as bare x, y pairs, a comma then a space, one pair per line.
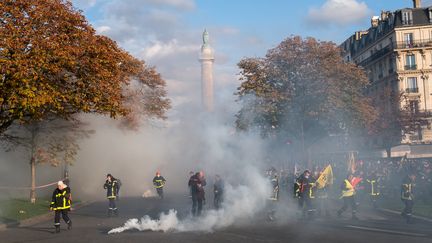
303, 149
33, 180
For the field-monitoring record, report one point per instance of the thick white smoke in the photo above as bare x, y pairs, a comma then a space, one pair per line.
242, 202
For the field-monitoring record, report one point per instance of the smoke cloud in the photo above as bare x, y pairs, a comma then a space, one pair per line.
242, 202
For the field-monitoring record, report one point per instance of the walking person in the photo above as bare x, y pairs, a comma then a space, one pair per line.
407, 196
61, 204
218, 189
159, 183
348, 196
197, 183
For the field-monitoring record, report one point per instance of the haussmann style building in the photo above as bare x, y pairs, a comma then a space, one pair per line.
396, 52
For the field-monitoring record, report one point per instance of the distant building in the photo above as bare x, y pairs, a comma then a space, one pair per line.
396, 52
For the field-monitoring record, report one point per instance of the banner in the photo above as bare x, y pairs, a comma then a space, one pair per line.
326, 178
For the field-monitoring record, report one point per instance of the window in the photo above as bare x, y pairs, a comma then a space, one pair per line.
407, 18
414, 106
412, 85
408, 39
391, 65
410, 62
380, 71
430, 15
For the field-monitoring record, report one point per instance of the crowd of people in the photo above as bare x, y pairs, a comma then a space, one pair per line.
314, 189
373, 182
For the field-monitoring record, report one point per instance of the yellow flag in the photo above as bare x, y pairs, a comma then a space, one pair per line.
326, 177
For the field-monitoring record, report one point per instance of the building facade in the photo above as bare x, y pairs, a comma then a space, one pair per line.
396, 52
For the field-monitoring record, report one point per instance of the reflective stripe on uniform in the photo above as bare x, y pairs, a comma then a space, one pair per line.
350, 190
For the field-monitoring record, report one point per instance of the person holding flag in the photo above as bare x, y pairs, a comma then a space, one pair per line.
325, 179
348, 196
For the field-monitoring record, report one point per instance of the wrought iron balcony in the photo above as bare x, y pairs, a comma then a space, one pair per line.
410, 67
411, 90
414, 44
376, 55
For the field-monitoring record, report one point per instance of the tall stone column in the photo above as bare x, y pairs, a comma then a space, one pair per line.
207, 59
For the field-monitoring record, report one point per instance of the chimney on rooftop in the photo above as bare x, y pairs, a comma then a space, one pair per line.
417, 3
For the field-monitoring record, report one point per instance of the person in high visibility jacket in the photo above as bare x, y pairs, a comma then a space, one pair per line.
348, 196
61, 204
407, 196
304, 191
159, 183
373, 182
111, 185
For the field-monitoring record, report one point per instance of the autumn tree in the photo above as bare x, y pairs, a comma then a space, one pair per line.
398, 116
52, 62
303, 91
51, 141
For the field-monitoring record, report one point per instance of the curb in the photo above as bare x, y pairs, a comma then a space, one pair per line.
39, 218
414, 216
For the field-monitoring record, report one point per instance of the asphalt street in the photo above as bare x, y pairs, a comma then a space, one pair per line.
91, 224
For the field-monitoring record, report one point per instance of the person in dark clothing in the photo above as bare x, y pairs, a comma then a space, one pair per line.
305, 194
407, 196
61, 203
218, 189
159, 183
111, 185
197, 183
373, 188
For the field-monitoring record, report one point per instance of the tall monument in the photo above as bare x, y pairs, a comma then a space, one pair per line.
206, 58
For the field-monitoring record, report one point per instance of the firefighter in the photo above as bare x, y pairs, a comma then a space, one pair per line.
373, 188
159, 183
61, 204
218, 189
322, 201
305, 193
111, 185
274, 180
407, 196
348, 196
197, 183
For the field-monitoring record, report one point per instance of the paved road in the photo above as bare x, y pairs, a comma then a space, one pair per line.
92, 225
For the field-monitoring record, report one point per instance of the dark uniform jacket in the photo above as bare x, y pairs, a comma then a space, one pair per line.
159, 181
373, 185
61, 199
304, 187
407, 189
112, 188
218, 187
197, 186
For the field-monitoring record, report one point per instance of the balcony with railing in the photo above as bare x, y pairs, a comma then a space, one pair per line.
411, 90
411, 67
376, 55
414, 44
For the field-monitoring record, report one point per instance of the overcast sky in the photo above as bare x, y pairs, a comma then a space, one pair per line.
167, 33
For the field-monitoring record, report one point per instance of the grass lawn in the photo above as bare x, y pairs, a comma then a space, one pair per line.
14, 210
